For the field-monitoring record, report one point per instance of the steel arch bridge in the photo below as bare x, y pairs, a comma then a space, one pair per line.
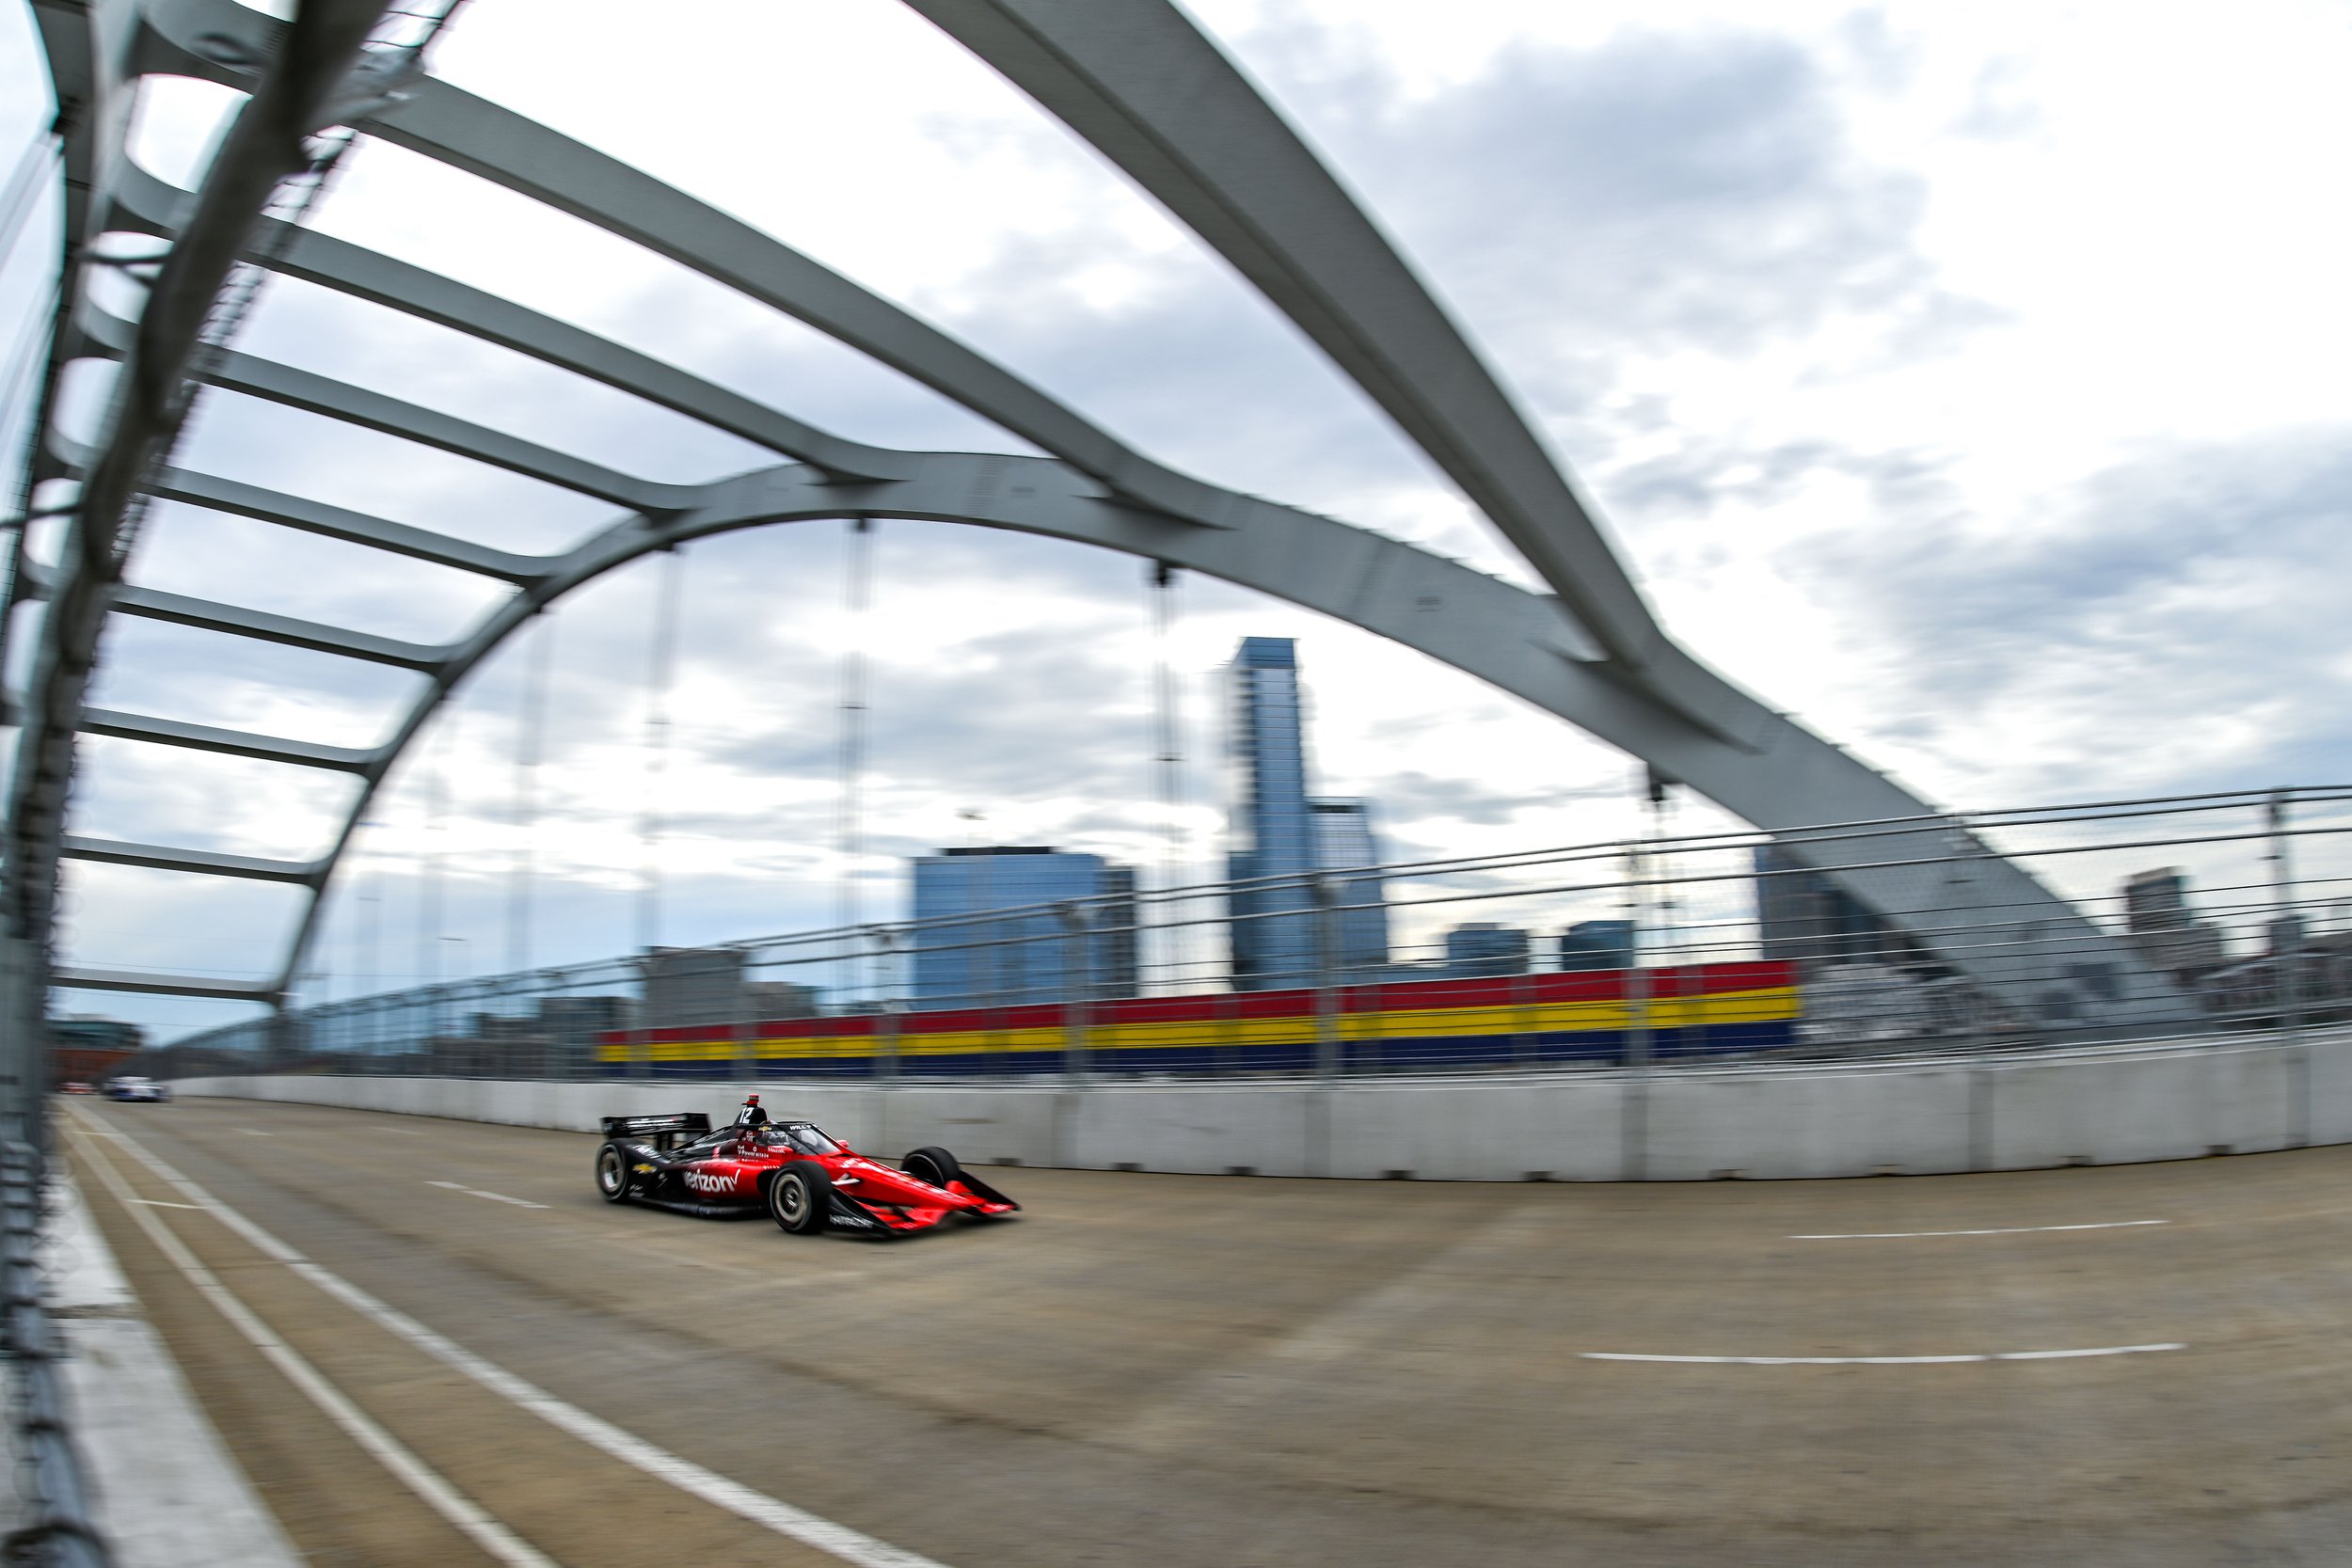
1136, 80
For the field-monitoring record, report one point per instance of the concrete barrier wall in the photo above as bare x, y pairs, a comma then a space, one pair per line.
2114, 1106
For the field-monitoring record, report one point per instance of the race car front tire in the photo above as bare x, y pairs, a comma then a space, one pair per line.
613, 1174
798, 1198
932, 1164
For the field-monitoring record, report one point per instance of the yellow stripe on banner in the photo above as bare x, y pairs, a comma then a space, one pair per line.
832, 1049
1772, 1005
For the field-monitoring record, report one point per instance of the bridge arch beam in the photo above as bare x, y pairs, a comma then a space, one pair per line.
1519, 641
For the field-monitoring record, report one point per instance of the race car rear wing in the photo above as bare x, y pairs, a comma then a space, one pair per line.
664, 1131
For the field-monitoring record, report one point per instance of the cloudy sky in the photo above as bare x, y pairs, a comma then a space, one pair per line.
1967, 381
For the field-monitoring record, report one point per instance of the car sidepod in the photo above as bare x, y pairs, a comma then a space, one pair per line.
870, 1199
695, 1187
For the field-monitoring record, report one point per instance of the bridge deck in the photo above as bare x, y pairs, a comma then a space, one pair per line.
1205, 1371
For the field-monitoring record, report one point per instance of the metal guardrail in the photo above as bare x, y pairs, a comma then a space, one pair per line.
2236, 907
56, 1528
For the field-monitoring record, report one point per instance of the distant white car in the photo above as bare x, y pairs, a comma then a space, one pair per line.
132, 1088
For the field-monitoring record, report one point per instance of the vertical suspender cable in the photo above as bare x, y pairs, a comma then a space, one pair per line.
849, 837
435, 811
531, 720
426, 896
1167, 758
371, 927
661, 674
428, 890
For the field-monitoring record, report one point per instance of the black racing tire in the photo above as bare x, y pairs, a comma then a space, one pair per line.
800, 1197
932, 1164
612, 1182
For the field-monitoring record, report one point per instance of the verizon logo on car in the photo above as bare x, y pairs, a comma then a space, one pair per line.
709, 1181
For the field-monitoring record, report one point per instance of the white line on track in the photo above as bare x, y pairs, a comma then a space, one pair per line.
158, 1203
249, 1131
810, 1529
496, 1197
388, 1450
1879, 1360
2002, 1230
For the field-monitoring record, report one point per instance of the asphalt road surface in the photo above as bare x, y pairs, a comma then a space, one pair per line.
1222, 1372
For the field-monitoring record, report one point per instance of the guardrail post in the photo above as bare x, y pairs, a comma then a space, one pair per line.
1078, 985
1324, 888
2287, 958
744, 1029
886, 1020
2286, 926
1635, 1130
56, 1528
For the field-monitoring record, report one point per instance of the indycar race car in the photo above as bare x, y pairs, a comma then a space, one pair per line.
804, 1181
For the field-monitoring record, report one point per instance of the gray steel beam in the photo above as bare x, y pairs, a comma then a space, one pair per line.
313, 393
263, 144
147, 204
149, 604
449, 124
156, 983
232, 743
156, 856
93, 49
153, 605
1524, 643
1141, 83
319, 394
334, 522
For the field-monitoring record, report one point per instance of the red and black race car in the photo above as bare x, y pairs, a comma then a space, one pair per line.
806, 1181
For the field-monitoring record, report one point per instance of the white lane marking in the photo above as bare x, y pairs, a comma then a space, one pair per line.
496, 1197
158, 1203
249, 1131
1878, 1360
810, 1529
388, 1450
2003, 1230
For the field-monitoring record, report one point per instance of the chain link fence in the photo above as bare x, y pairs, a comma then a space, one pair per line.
2223, 913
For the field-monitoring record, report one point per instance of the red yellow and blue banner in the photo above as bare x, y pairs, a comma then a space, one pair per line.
1515, 1019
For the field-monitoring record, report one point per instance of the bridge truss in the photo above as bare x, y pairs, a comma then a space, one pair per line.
1135, 78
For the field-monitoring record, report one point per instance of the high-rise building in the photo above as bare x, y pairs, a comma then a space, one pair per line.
1027, 953
2168, 935
1801, 914
1281, 838
1598, 944
1347, 846
687, 986
1481, 949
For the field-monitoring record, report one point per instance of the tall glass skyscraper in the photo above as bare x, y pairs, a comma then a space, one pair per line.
1277, 831
1024, 957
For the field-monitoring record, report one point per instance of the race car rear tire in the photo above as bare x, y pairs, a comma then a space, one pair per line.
798, 1198
932, 1164
613, 1174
